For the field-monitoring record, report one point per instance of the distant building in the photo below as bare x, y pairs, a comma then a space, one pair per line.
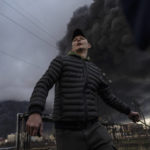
36, 139
52, 138
11, 138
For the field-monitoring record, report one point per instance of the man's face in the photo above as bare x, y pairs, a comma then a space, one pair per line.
80, 43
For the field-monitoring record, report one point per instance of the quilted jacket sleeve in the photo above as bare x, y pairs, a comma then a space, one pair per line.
42, 87
109, 98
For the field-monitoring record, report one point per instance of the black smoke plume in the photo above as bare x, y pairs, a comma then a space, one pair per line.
113, 50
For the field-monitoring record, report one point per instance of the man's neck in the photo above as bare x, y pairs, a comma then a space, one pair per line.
83, 54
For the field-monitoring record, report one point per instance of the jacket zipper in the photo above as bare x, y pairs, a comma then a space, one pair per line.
84, 90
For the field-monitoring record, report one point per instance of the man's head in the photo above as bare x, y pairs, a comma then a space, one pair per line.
79, 41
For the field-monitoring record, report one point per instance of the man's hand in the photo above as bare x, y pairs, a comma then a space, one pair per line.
34, 125
134, 116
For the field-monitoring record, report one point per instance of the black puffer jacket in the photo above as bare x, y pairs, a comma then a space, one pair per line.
78, 82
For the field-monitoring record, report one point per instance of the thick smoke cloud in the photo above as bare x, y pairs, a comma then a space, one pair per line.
113, 50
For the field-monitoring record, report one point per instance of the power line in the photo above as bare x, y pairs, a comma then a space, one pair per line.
38, 20
20, 13
20, 59
26, 29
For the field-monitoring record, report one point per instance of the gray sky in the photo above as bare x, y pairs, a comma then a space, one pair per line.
29, 30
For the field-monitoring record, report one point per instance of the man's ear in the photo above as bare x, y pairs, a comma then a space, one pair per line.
89, 45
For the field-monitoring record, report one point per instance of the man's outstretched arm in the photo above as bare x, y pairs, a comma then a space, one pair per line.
42, 87
39, 95
109, 98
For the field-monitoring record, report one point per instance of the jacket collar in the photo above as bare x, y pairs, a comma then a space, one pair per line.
75, 54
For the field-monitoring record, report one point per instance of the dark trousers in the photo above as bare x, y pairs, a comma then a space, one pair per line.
93, 137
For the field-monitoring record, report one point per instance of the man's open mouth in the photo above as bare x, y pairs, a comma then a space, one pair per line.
79, 44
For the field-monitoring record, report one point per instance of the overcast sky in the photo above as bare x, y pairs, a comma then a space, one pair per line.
29, 30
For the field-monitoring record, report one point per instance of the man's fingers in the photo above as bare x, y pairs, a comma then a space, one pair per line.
35, 130
30, 130
41, 129
27, 128
136, 118
33, 124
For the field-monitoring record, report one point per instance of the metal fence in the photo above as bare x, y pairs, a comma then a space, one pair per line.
123, 135
23, 140
8, 148
130, 136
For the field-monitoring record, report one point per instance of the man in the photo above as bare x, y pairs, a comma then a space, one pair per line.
138, 13
78, 82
